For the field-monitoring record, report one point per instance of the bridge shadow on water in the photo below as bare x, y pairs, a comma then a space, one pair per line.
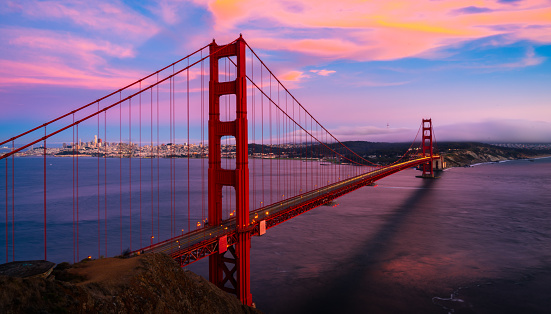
354, 284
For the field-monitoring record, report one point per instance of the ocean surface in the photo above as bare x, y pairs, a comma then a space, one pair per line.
475, 240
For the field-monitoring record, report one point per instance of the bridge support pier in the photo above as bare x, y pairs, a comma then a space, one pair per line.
238, 275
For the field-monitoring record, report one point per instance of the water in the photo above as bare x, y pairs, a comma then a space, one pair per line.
127, 204
476, 240
119, 200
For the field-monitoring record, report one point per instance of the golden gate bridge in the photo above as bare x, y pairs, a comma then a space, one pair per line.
269, 160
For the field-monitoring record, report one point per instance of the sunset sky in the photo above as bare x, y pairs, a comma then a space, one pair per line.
367, 70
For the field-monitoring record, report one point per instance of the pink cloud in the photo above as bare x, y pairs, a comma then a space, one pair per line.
377, 30
48, 57
55, 72
323, 72
382, 45
167, 10
109, 17
55, 42
99, 31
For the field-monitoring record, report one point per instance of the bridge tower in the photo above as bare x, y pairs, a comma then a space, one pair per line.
221, 266
427, 148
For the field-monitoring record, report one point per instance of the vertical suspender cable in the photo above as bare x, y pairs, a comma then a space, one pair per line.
271, 152
174, 146
170, 160
7, 251
158, 171
151, 160
301, 149
188, 187
45, 225
295, 166
201, 154
253, 98
140, 160
105, 180
278, 129
78, 233
130, 168
73, 157
12, 202
262, 134
99, 220
120, 170
202, 141
288, 141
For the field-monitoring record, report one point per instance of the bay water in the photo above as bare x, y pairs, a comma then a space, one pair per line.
475, 240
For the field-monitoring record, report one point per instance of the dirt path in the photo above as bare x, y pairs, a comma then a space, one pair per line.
107, 270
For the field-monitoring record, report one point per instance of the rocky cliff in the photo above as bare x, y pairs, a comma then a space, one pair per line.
151, 283
480, 153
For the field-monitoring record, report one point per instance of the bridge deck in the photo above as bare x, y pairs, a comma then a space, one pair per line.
200, 243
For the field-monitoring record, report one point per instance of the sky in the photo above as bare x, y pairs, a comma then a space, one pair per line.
367, 70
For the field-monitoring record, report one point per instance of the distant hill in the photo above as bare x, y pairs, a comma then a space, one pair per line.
456, 153
464, 154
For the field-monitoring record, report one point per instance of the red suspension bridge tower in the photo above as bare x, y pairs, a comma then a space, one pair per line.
427, 149
221, 267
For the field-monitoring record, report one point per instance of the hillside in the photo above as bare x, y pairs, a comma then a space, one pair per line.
456, 154
464, 154
151, 283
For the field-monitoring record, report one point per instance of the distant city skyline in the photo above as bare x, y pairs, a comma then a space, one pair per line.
366, 70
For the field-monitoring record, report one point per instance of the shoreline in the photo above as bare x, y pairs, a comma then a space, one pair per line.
484, 155
499, 161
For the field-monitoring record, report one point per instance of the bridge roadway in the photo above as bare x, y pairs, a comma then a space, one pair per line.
200, 243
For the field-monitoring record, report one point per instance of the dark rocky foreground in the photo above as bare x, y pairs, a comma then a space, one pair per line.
151, 283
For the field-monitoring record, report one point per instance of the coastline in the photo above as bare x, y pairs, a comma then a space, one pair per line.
468, 157
500, 161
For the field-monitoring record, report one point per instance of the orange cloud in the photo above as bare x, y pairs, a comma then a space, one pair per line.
382, 30
293, 76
